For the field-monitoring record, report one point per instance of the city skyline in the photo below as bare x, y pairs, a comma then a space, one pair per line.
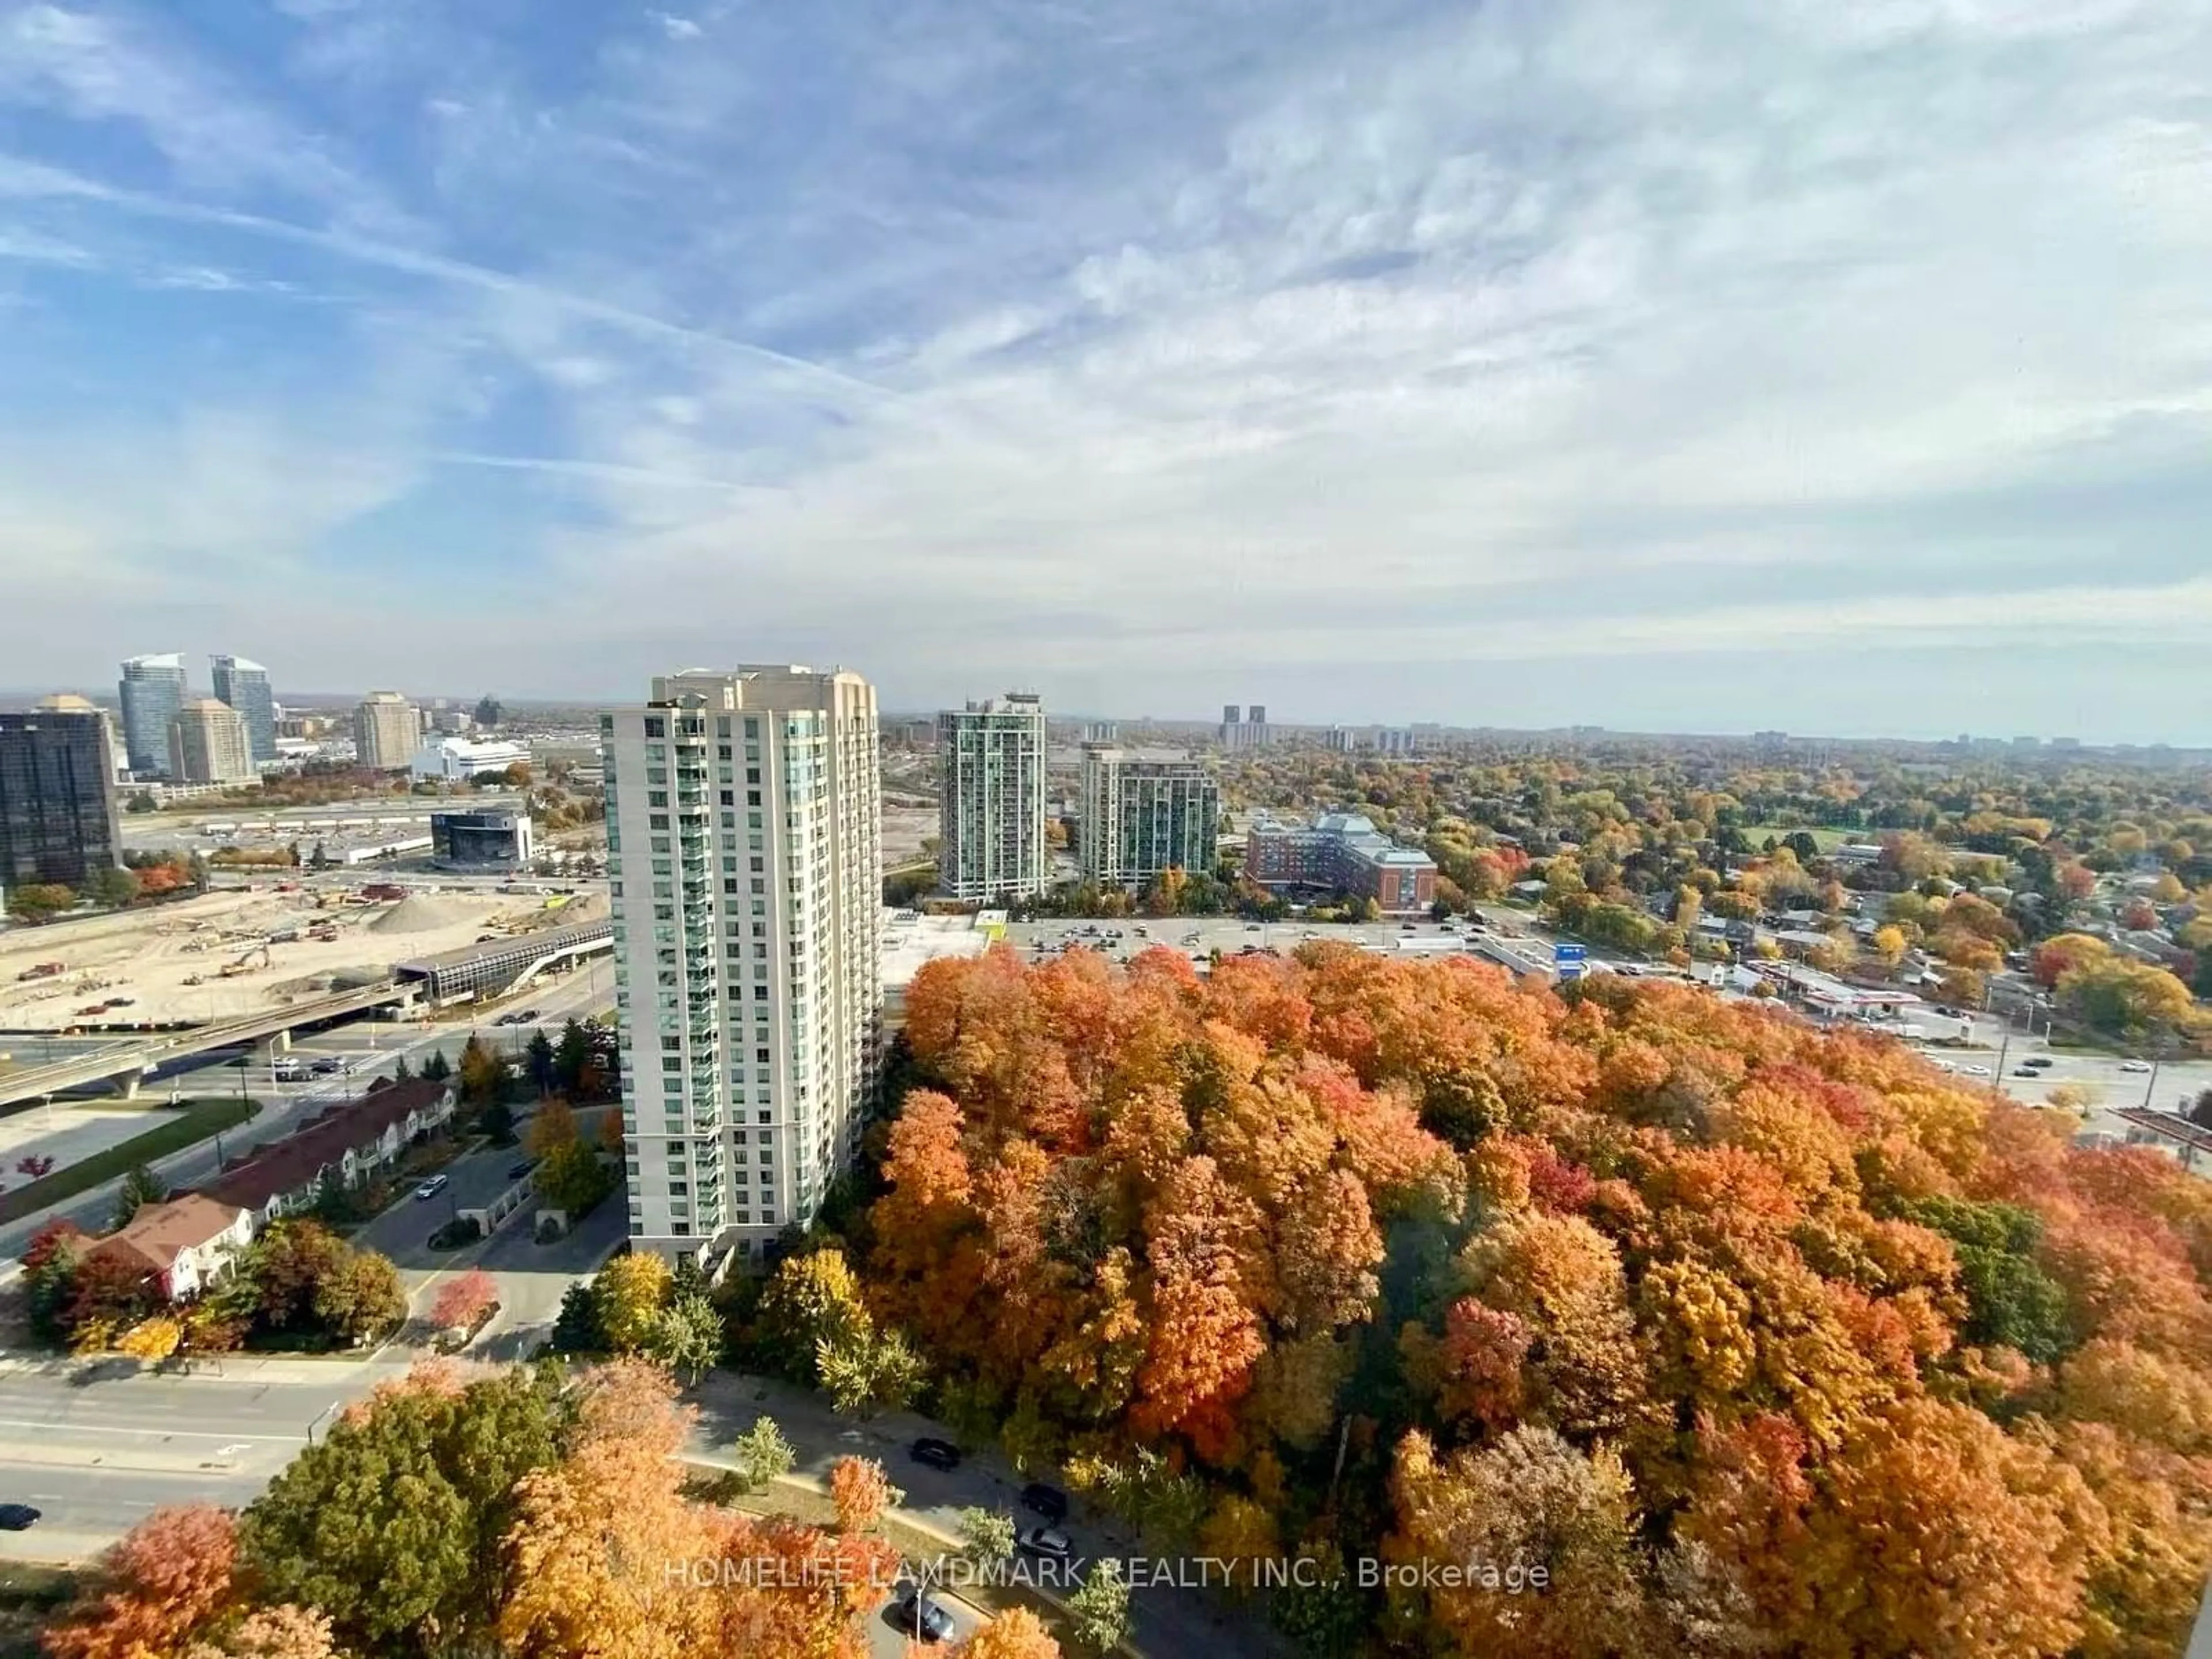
1316, 726
1525, 365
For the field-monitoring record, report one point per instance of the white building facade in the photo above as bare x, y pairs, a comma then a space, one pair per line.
744, 825
385, 728
210, 743
456, 760
991, 822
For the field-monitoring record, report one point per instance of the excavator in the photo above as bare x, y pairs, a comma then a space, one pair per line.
259, 957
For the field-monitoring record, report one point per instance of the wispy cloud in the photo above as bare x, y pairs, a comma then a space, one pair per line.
1141, 345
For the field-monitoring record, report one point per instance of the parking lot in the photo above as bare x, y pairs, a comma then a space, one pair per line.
1200, 936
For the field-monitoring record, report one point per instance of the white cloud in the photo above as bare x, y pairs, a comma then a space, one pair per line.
1136, 338
116, 66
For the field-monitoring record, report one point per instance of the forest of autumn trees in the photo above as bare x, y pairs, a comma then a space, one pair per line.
1755, 1338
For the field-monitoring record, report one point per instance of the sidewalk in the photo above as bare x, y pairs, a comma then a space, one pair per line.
231, 1368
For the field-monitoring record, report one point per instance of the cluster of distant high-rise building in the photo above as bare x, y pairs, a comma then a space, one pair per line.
1139, 812
1248, 732
169, 734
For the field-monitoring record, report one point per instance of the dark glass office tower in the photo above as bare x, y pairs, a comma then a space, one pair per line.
57, 820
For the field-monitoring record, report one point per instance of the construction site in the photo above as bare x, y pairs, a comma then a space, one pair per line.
230, 954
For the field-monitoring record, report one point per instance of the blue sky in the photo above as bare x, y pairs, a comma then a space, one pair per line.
1730, 364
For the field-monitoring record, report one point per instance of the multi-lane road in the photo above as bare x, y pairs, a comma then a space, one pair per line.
96, 1448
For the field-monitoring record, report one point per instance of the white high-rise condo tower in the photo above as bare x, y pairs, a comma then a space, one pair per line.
991, 824
744, 824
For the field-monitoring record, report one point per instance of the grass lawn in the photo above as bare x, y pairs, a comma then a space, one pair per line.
175, 1129
1826, 840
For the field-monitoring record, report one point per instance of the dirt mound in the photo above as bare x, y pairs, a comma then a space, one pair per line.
425, 912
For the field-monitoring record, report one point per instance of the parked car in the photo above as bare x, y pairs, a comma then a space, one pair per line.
433, 1187
17, 1517
920, 1617
1049, 1502
517, 1171
936, 1454
1047, 1543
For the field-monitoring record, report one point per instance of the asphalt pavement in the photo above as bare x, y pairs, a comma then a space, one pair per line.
1168, 1621
95, 1446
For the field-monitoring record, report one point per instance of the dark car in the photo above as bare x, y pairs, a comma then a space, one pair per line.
936, 1454
1049, 1502
14, 1517
2036, 1063
1047, 1543
516, 1172
2024, 1071
919, 1616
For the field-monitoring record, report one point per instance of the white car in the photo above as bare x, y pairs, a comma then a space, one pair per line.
2135, 1065
1975, 1071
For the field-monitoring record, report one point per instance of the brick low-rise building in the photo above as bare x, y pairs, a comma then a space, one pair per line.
1340, 853
349, 1143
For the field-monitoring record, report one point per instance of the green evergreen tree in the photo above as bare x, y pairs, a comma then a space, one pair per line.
141, 1187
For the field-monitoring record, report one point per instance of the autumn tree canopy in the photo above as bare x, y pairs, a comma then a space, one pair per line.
1748, 1334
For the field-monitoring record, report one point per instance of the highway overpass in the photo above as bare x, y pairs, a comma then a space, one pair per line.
125, 1063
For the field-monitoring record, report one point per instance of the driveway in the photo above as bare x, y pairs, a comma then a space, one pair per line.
1169, 1623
